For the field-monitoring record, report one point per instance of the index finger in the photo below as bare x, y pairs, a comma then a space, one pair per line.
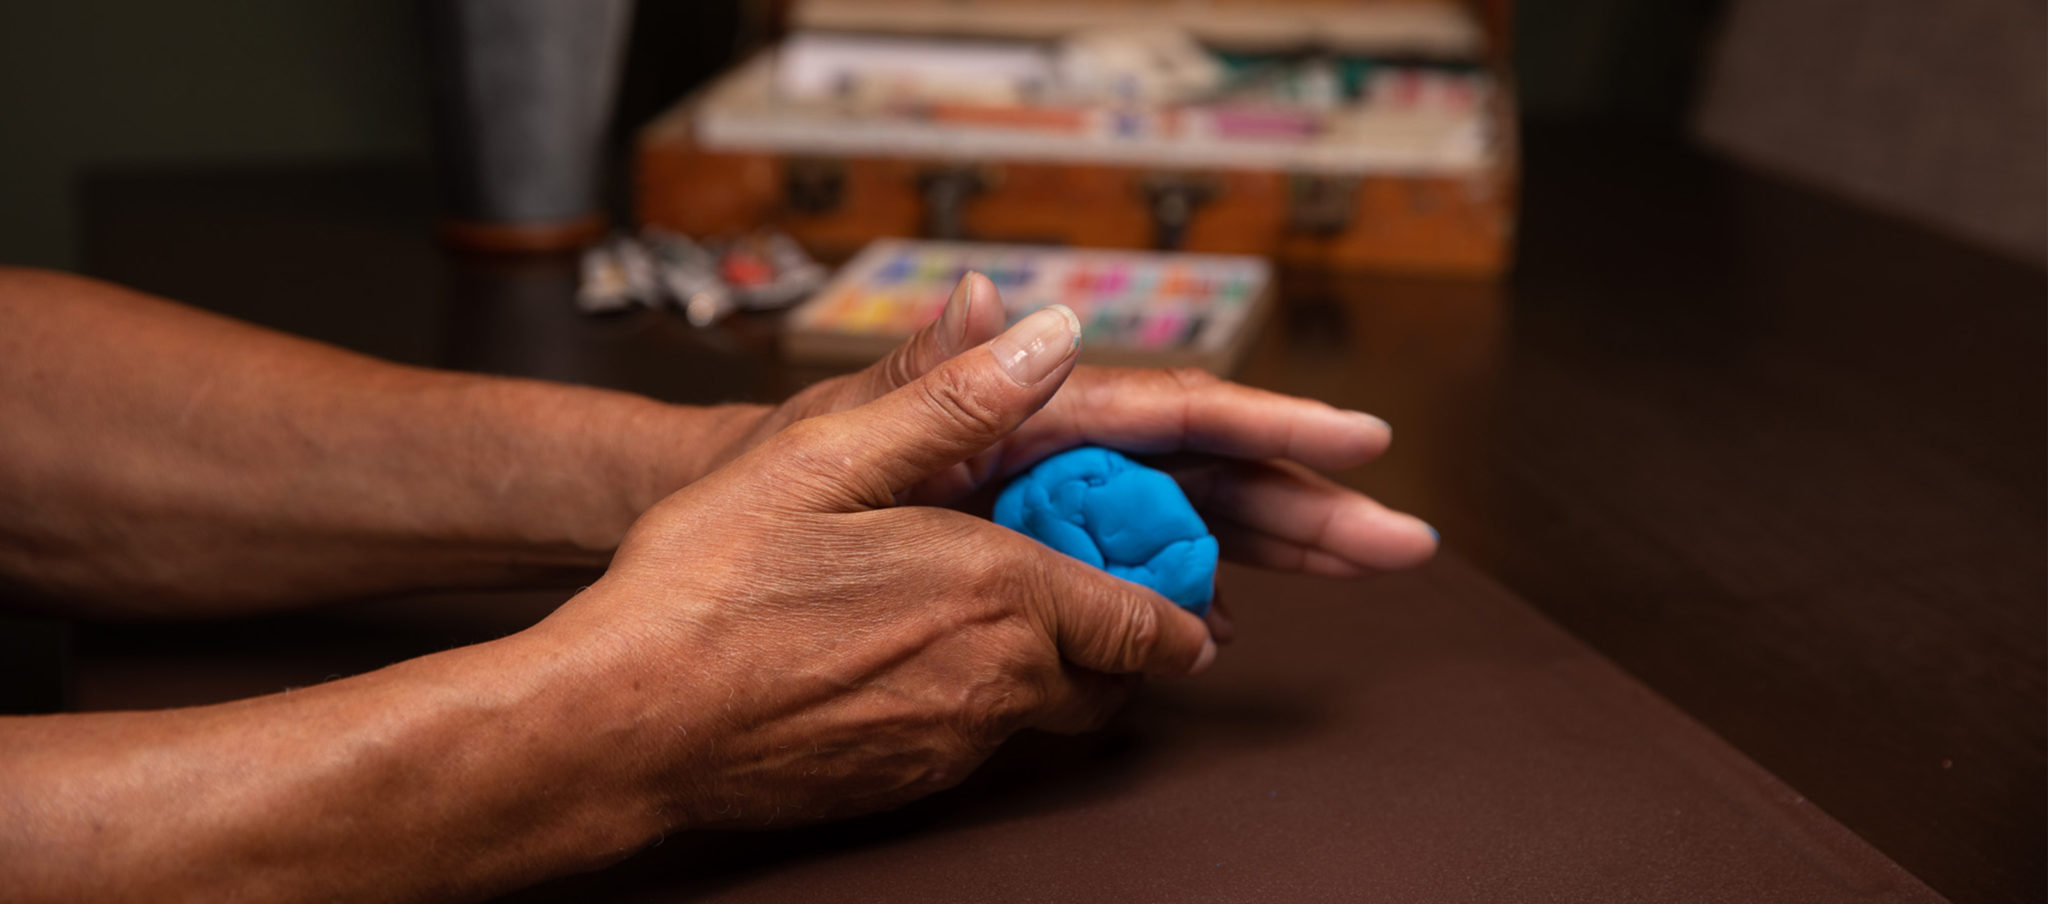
1107, 624
1150, 411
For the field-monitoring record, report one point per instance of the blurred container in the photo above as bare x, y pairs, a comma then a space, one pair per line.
523, 92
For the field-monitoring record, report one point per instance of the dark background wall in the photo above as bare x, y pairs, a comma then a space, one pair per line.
1932, 111
1937, 112
130, 83
96, 84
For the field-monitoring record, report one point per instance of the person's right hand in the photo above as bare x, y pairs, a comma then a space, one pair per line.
785, 643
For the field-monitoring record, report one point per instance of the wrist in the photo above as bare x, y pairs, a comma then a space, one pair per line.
643, 690
561, 750
592, 460
673, 446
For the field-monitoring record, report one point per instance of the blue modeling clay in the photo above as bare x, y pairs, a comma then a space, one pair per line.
1117, 515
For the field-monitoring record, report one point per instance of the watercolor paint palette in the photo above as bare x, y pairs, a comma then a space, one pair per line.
1140, 308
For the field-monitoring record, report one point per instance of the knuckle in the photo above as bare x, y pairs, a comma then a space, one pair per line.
1031, 578
1192, 379
1017, 560
1141, 634
989, 712
968, 564
951, 394
947, 764
900, 367
807, 454
807, 437
807, 445
988, 563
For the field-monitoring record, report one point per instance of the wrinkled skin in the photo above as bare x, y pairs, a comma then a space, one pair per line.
1243, 455
786, 629
885, 649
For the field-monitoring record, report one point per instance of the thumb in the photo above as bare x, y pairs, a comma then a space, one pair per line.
973, 315
865, 456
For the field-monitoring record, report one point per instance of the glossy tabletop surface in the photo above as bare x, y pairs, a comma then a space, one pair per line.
1773, 464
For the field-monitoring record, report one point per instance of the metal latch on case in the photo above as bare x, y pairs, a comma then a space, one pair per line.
1173, 199
812, 185
946, 191
1321, 203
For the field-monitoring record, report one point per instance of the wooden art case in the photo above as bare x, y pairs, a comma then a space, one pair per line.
697, 175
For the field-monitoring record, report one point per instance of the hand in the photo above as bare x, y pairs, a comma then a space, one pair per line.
1239, 452
790, 644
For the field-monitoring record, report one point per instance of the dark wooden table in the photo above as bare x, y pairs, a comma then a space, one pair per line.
1780, 459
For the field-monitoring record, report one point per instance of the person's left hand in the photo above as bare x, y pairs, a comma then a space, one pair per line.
1243, 455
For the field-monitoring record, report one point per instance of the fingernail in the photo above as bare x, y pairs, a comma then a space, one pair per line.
1433, 535
1372, 420
952, 329
1038, 344
1206, 659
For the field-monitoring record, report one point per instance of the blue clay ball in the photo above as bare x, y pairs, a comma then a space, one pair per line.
1117, 515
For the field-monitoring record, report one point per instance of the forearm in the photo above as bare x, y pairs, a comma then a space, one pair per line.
154, 452
453, 776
